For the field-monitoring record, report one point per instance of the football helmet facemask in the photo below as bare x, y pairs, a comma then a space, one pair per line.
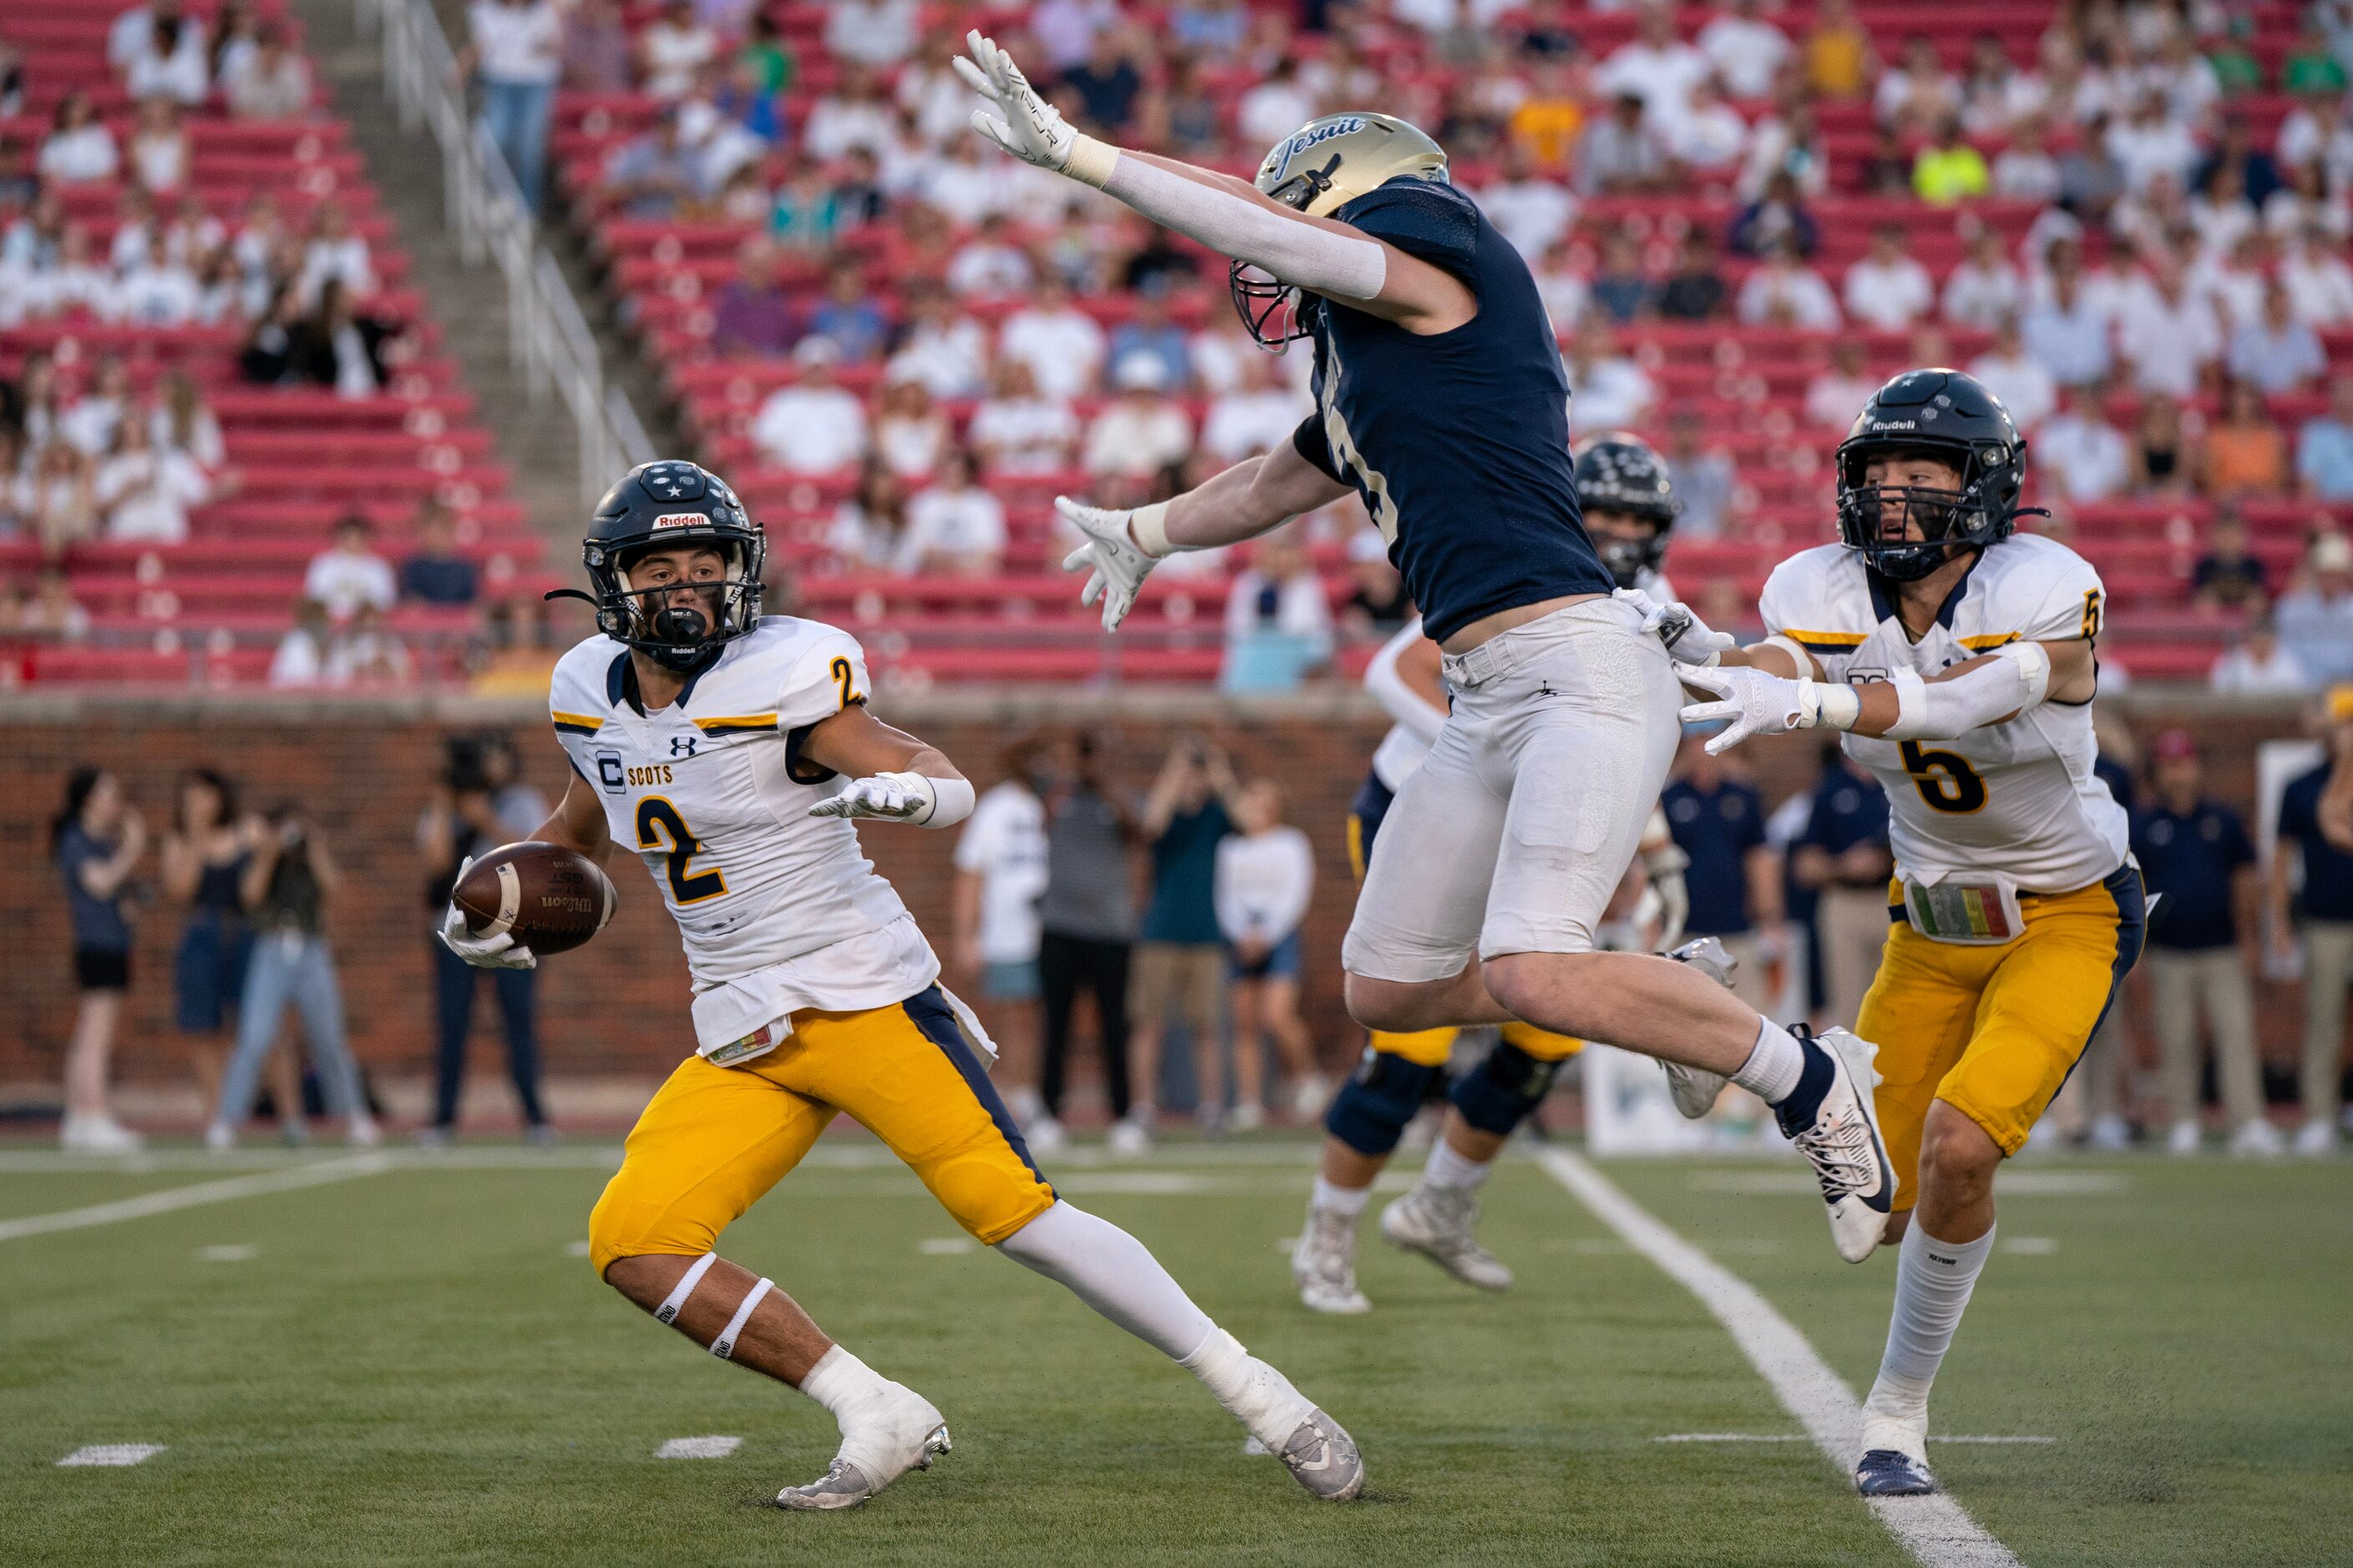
1620, 473
1317, 169
1952, 417
663, 505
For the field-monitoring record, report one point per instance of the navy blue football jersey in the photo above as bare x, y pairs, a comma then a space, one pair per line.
1458, 442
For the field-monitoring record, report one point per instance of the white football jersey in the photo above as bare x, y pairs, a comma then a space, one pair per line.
778, 909
2019, 799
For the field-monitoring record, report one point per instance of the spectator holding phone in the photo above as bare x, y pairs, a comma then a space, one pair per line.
480, 805
286, 888
97, 841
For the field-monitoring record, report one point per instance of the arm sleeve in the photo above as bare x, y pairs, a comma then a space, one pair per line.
1436, 223
1312, 442
1400, 701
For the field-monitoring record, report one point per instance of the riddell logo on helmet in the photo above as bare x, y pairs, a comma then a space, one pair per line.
681, 519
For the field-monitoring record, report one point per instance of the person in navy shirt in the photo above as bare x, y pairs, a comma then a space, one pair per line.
1734, 880
97, 841
1442, 403
2315, 822
1844, 855
2196, 857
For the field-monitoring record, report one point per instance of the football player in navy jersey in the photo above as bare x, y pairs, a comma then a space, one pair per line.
1442, 402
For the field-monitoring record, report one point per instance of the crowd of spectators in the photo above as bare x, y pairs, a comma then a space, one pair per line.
90, 456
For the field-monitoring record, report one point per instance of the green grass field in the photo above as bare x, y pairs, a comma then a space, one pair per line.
414, 1365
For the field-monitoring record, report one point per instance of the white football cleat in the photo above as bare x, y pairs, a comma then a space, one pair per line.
1436, 1222
98, 1133
2258, 1140
1843, 1144
1128, 1138
1324, 1263
886, 1443
2185, 1137
1323, 1457
1044, 1137
2315, 1139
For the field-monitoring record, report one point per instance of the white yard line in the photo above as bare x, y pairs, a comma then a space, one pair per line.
698, 1448
230, 1187
1937, 1531
114, 1455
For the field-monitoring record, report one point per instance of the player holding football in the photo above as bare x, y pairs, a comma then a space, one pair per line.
1957, 657
1442, 402
1629, 509
732, 752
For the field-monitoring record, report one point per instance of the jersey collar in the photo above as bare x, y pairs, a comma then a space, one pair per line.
1883, 607
621, 680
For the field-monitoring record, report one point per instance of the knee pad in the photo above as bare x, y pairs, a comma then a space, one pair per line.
1370, 1112
1497, 1095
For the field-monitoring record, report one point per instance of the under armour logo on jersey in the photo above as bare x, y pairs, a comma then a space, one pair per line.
683, 746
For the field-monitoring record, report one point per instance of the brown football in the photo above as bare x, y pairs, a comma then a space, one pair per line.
550, 897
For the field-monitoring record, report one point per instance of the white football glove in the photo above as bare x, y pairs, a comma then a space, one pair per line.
894, 797
1757, 702
500, 951
1109, 554
1689, 640
1024, 125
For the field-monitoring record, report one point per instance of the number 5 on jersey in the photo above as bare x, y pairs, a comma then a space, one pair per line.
660, 827
1945, 779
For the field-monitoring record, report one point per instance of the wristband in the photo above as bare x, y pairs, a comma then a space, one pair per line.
1910, 705
1148, 526
1091, 161
1837, 706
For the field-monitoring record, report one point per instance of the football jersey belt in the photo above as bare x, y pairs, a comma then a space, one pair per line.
769, 1036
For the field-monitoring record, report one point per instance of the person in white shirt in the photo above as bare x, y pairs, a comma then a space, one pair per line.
2168, 336
1061, 344
271, 82
1278, 617
2025, 171
990, 263
1655, 66
1607, 389
1265, 879
91, 421
812, 425
158, 152
2319, 282
1786, 292
1919, 94
79, 281
1887, 290
1984, 290
1000, 872
336, 250
674, 49
2083, 449
78, 147
168, 61
1015, 431
869, 526
954, 528
1251, 417
302, 655
2276, 352
2259, 665
144, 492
1141, 431
947, 351
910, 431
1996, 95
158, 293
2308, 201
348, 573
1533, 210
1832, 396
871, 32
1709, 137
1745, 50
1275, 107
2029, 391
2152, 143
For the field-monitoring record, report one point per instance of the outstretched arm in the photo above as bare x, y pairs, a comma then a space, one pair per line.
1230, 216
892, 773
1992, 689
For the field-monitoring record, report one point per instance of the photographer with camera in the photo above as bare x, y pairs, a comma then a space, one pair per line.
286, 888
481, 803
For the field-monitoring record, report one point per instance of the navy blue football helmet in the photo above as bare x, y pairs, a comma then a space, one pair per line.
1954, 419
657, 506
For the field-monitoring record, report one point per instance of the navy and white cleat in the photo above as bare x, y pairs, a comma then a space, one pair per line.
1843, 1144
1323, 1457
1890, 1472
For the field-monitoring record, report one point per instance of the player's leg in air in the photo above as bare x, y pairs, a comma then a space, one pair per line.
741, 806
1442, 404
2016, 911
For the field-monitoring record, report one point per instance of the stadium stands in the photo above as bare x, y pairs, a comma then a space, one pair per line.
272, 197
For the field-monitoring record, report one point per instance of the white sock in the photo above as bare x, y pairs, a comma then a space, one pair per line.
1112, 1272
1774, 1063
1448, 1167
844, 1385
1349, 1201
1259, 1397
1932, 1281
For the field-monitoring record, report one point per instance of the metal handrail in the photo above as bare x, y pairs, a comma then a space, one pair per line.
548, 339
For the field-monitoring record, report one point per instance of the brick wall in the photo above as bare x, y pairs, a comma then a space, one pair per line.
364, 769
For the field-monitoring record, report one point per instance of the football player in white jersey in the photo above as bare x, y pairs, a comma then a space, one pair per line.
1629, 509
732, 753
1957, 657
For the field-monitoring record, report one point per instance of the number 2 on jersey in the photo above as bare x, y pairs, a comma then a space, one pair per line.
659, 827
1945, 779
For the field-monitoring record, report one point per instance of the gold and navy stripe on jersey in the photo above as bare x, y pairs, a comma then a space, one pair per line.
1826, 642
737, 724
1989, 641
576, 723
